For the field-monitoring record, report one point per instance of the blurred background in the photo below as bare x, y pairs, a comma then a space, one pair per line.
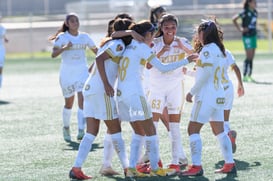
29, 23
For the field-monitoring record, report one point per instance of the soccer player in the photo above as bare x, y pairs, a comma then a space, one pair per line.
132, 103
3, 39
99, 101
209, 99
72, 44
167, 89
249, 35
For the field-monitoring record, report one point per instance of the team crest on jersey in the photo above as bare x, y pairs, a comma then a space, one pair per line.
118, 93
87, 87
206, 54
119, 48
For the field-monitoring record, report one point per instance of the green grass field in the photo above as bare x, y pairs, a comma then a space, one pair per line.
32, 147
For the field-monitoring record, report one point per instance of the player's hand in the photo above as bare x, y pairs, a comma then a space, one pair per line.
193, 57
189, 97
109, 90
240, 90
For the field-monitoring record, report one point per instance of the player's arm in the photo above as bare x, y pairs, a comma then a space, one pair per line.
58, 50
201, 78
135, 35
101, 68
240, 89
235, 19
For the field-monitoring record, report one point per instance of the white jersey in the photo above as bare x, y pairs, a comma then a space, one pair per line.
94, 84
208, 87
173, 55
74, 68
132, 64
96, 102
230, 61
76, 54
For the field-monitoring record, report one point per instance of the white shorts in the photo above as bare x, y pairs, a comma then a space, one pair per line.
100, 106
134, 108
171, 97
72, 79
229, 96
203, 113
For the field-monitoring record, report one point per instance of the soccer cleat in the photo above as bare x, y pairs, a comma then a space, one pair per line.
80, 134
183, 162
143, 168
245, 79
175, 167
250, 79
232, 136
162, 172
66, 134
132, 172
108, 171
193, 170
76, 173
227, 168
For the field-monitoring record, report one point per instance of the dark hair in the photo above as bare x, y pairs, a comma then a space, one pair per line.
246, 5
143, 27
119, 25
124, 15
64, 27
165, 18
110, 28
211, 34
153, 12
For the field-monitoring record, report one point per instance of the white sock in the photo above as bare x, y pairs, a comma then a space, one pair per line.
66, 117
119, 146
84, 149
1, 77
226, 147
135, 149
177, 148
81, 119
108, 151
196, 149
153, 150
226, 127
142, 147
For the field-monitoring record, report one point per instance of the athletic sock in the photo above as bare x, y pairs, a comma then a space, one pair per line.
177, 148
153, 150
84, 149
108, 151
196, 148
226, 127
226, 147
135, 149
119, 146
66, 117
81, 119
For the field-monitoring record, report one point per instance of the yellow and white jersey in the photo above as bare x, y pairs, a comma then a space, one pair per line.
131, 68
114, 49
208, 87
76, 54
230, 61
173, 55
